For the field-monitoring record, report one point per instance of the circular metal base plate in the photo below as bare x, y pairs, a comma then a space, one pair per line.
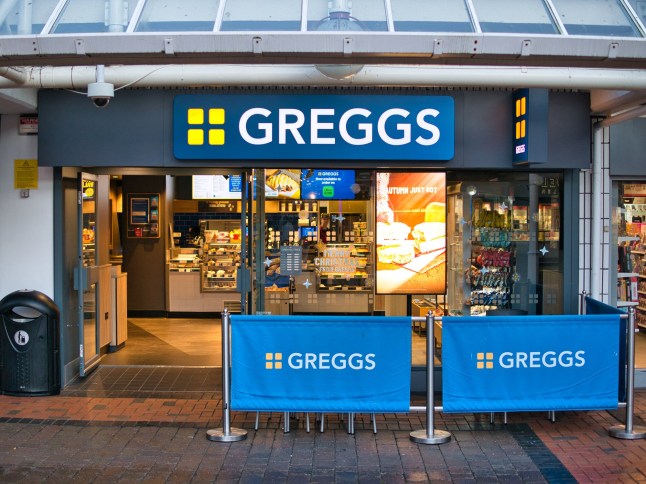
217, 435
438, 437
619, 432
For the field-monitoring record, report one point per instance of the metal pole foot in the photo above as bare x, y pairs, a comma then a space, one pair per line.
438, 437
218, 435
620, 432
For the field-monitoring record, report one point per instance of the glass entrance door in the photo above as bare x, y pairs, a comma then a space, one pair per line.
87, 274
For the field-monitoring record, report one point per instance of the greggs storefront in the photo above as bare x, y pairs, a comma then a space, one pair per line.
309, 201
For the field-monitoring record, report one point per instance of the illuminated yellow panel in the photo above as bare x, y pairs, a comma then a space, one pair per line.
517, 108
480, 356
216, 116
489, 356
269, 365
523, 106
196, 116
195, 137
216, 137
522, 128
489, 365
278, 356
517, 129
480, 365
269, 356
279, 365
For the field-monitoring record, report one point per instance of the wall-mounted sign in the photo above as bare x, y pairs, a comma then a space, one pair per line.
28, 124
25, 174
335, 126
530, 126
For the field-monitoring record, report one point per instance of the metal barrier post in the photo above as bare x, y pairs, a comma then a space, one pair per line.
430, 435
582, 308
627, 431
226, 433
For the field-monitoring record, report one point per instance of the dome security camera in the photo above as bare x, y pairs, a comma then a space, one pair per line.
100, 93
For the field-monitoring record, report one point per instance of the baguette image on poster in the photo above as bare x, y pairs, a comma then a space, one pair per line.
411, 233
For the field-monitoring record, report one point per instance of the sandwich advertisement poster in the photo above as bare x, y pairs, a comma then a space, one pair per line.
411, 233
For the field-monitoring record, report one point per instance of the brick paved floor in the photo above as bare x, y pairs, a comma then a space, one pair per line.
118, 426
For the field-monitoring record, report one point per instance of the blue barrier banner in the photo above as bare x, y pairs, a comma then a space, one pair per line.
530, 363
592, 306
319, 363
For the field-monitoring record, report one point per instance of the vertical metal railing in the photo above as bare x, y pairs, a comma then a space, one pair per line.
430, 435
628, 430
226, 433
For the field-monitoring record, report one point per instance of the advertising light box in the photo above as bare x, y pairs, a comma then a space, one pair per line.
411, 233
216, 187
304, 126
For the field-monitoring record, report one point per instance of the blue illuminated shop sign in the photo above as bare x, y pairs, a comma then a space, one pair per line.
275, 127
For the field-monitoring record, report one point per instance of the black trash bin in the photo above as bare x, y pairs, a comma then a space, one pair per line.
29, 345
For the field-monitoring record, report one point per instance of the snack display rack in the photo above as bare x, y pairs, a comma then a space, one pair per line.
490, 275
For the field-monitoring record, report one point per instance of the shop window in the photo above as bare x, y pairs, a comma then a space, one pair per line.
505, 245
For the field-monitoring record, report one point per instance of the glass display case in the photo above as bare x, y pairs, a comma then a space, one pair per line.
219, 270
221, 259
184, 260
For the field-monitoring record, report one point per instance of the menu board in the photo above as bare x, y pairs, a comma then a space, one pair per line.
328, 185
411, 233
216, 187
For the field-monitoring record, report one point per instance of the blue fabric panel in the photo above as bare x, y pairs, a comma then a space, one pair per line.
530, 363
320, 363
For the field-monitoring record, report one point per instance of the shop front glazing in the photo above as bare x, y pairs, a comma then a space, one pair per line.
378, 242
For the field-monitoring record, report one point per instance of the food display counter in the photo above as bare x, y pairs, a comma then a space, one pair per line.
185, 271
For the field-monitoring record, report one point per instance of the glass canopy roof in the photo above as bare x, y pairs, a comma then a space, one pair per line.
598, 18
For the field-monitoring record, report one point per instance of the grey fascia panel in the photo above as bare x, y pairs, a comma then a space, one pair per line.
391, 48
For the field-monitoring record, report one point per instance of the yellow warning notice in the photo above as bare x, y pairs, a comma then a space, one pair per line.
25, 174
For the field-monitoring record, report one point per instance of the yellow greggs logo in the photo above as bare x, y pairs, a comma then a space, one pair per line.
196, 117
484, 361
273, 361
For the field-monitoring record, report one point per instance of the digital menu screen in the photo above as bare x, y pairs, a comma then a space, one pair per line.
216, 187
283, 183
411, 233
329, 185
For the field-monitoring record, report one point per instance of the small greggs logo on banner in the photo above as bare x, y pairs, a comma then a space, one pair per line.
530, 363
320, 363
273, 126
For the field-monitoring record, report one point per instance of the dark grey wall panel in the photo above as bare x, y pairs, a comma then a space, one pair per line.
128, 132
487, 130
144, 258
569, 130
136, 130
628, 149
